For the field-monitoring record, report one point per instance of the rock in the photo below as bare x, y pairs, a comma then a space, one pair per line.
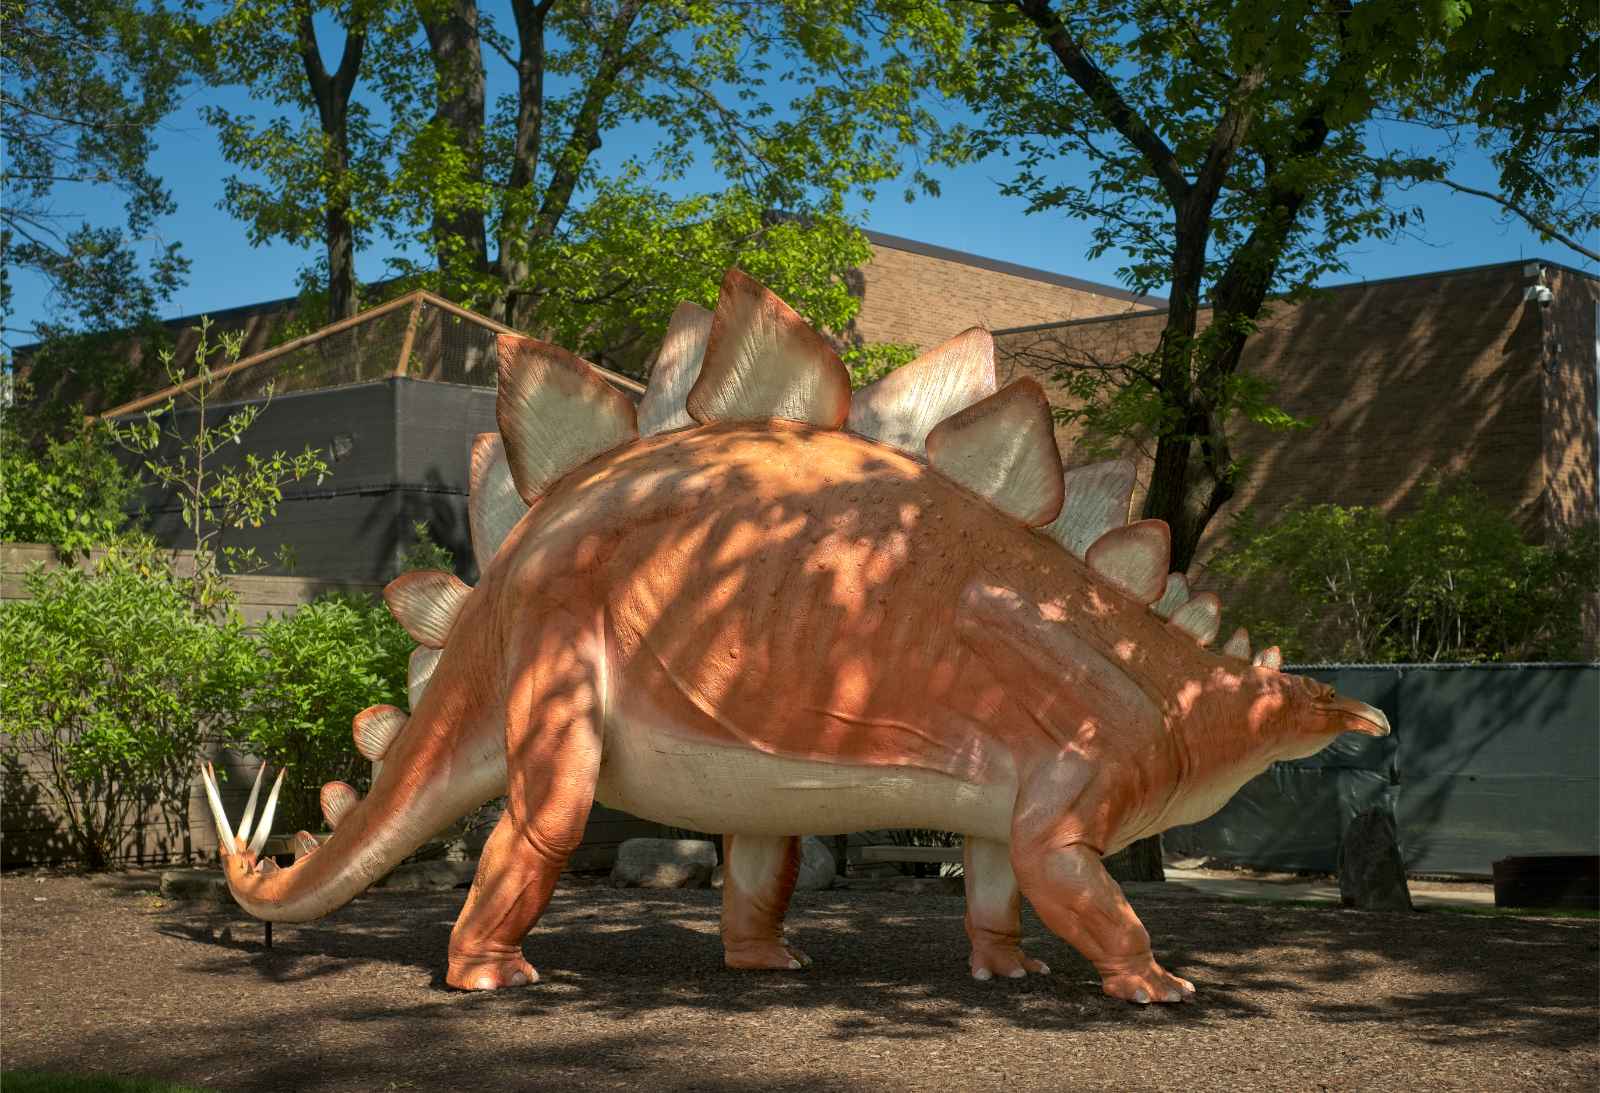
202, 884
1372, 875
664, 863
818, 869
425, 876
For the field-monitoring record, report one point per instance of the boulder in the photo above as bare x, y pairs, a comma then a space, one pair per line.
1372, 875
197, 884
429, 876
818, 869
664, 863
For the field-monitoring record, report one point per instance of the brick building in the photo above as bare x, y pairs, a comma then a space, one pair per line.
1486, 373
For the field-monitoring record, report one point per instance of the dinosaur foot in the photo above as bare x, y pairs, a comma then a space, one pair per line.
489, 973
1150, 983
1004, 961
765, 955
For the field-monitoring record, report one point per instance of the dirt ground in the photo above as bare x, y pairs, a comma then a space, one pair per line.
101, 975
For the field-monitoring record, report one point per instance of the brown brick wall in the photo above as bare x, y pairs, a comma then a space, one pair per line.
924, 296
1572, 368
1401, 379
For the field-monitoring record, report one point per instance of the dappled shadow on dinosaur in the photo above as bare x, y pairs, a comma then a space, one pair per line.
757, 605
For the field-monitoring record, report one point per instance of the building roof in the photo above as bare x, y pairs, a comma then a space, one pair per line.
896, 242
1363, 283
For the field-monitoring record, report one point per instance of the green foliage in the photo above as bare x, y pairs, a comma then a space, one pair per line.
1453, 580
874, 360
86, 83
425, 553
215, 495
111, 684
323, 663
74, 496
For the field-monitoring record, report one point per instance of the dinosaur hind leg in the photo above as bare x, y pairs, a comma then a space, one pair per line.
994, 913
758, 878
553, 762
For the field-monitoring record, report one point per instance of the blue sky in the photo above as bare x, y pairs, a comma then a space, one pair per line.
970, 215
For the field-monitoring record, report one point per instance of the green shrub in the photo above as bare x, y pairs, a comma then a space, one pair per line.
109, 687
72, 497
320, 666
1453, 580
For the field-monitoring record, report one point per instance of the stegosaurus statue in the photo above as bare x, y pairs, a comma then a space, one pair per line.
759, 605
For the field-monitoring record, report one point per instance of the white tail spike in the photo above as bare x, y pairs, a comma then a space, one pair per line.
1270, 657
763, 361
677, 366
375, 728
1134, 558
337, 799
493, 505
1095, 500
903, 407
264, 828
423, 661
426, 602
208, 774
1200, 618
243, 834
1174, 597
1238, 645
1004, 450
555, 413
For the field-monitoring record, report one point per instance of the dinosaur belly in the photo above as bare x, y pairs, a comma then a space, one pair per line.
658, 775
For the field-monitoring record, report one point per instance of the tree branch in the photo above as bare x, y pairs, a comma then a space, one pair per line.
1537, 222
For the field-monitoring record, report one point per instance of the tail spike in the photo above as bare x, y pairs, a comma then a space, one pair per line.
219, 816
264, 828
1238, 645
337, 799
243, 834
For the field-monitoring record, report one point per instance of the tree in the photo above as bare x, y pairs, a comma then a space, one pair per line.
1222, 145
214, 495
86, 83
1453, 580
318, 165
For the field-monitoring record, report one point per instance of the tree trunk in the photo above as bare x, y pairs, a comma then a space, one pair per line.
1139, 861
332, 96
460, 240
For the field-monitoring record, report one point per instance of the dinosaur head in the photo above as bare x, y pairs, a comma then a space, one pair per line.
1277, 715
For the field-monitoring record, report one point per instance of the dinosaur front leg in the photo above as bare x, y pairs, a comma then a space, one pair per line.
553, 761
994, 913
1076, 897
758, 876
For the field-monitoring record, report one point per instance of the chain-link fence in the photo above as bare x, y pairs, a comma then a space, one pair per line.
418, 336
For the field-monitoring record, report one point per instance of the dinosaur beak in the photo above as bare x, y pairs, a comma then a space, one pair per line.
1351, 715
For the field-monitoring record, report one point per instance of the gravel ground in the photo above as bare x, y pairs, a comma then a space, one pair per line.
100, 974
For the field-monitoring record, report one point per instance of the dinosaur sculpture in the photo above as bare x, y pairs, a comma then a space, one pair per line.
758, 605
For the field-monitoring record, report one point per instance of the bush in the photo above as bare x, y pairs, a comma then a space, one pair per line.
72, 497
1452, 581
320, 666
111, 685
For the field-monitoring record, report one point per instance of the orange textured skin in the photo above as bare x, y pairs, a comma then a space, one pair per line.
779, 590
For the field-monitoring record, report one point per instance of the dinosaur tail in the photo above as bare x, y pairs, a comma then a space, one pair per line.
428, 770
